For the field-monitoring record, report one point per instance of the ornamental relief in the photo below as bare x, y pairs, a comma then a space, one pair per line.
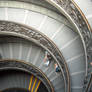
75, 14
80, 20
12, 27
38, 37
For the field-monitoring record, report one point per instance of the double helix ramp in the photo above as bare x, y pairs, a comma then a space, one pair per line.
56, 28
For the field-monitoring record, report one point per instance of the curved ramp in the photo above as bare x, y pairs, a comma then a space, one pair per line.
58, 29
15, 49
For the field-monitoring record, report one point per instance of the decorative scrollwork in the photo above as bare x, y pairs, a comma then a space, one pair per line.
39, 38
76, 15
79, 19
17, 28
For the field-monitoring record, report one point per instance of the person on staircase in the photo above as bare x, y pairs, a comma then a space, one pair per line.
57, 68
47, 59
91, 63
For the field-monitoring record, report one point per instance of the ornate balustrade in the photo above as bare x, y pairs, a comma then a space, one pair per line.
41, 40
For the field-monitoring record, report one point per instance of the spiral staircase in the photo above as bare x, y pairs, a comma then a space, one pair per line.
29, 28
